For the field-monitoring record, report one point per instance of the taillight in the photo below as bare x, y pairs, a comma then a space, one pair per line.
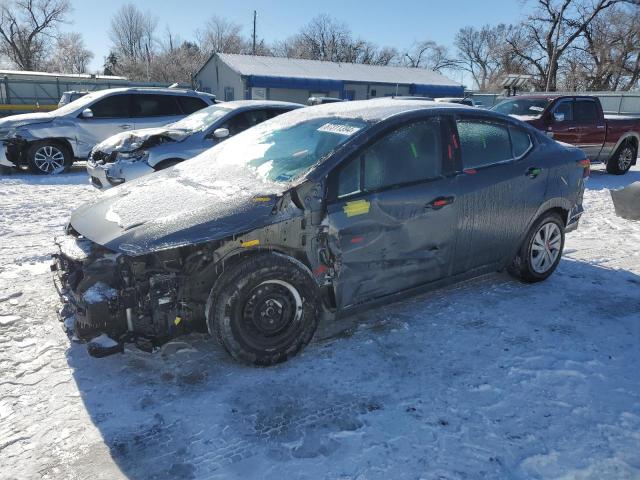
586, 166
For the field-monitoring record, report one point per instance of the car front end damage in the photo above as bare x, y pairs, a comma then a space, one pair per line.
110, 298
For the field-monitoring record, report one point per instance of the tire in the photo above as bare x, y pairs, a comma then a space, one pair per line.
621, 161
167, 164
538, 258
264, 309
48, 157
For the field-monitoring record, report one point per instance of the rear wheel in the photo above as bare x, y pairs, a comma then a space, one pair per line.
264, 309
541, 251
48, 158
622, 160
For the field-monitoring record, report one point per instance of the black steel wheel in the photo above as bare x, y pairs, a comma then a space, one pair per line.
265, 309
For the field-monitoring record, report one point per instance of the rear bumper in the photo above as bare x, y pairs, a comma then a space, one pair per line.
573, 218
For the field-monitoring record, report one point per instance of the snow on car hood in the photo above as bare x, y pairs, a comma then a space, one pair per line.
176, 207
25, 119
135, 139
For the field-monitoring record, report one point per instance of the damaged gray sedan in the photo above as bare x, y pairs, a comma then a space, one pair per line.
321, 210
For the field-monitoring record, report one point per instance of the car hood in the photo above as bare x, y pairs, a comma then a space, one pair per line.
25, 119
136, 139
176, 207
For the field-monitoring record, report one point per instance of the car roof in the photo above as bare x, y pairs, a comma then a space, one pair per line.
378, 109
169, 91
247, 104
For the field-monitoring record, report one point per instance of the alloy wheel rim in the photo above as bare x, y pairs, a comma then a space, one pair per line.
545, 248
49, 159
625, 159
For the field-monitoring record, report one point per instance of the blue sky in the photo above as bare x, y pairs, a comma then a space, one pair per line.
383, 22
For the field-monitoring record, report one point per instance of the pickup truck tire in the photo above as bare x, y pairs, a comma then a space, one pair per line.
541, 250
48, 157
167, 164
621, 161
264, 309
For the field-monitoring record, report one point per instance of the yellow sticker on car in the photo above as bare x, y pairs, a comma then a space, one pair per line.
357, 207
250, 243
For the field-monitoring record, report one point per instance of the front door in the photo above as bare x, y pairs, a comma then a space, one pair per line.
563, 128
111, 115
391, 214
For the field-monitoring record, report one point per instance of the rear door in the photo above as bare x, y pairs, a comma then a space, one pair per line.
501, 186
591, 126
154, 110
391, 214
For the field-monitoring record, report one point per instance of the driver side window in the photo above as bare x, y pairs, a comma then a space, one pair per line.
408, 154
563, 111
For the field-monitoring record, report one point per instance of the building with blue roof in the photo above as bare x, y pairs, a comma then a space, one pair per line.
250, 77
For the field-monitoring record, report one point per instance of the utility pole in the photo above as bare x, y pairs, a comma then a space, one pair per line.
254, 32
554, 54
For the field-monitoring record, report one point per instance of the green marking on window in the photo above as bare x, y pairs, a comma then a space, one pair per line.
413, 150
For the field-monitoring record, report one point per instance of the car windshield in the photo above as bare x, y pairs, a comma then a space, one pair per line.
202, 119
522, 106
278, 150
78, 103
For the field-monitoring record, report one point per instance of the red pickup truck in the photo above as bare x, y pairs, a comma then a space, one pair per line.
580, 121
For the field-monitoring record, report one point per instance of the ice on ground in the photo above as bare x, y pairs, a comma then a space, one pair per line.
8, 319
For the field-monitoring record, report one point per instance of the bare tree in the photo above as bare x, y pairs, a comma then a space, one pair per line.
28, 28
325, 38
482, 53
542, 40
132, 33
70, 55
428, 54
222, 36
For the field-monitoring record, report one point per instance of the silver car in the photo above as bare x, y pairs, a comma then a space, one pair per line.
130, 155
49, 142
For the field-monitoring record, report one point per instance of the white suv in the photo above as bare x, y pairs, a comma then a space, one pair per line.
49, 142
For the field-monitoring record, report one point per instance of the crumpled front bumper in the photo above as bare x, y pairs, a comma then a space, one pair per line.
88, 318
107, 175
4, 161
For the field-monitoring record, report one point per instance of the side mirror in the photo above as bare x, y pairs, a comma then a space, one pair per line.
87, 113
221, 133
558, 117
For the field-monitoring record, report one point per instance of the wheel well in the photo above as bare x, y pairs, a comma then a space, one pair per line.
160, 165
63, 142
563, 212
239, 256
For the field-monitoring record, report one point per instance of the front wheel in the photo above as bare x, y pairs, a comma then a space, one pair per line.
541, 250
48, 158
622, 160
265, 309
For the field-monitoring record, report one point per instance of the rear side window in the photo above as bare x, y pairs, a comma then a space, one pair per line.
244, 120
155, 106
115, 106
483, 142
585, 111
408, 154
520, 140
191, 104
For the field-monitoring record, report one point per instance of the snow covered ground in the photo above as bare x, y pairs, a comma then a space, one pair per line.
489, 379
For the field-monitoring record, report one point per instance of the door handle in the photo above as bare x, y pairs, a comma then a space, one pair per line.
438, 203
126, 126
572, 129
533, 172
